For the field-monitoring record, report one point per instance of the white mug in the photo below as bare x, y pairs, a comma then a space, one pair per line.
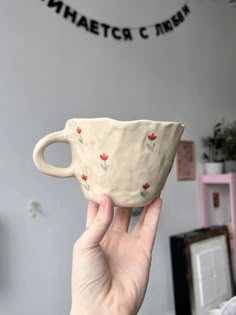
128, 160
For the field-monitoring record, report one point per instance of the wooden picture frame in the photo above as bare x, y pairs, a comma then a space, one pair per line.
188, 280
185, 161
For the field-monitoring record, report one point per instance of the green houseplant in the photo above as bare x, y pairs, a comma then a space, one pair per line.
213, 156
229, 147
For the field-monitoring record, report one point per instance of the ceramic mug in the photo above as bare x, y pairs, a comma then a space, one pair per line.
129, 160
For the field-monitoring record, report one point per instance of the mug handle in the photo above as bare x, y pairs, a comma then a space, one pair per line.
38, 156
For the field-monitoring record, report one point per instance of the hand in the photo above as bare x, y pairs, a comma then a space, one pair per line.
110, 266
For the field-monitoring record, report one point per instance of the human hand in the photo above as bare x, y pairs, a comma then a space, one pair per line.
110, 268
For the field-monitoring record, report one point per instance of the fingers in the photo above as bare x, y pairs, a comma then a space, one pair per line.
100, 224
91, 212
121, 220
147, 225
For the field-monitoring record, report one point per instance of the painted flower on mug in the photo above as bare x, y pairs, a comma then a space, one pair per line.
79, 131
146, 186
144, 193
84, 178
104, 157
152, 137
151, 144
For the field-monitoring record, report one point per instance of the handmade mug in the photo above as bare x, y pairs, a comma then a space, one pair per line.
128, 160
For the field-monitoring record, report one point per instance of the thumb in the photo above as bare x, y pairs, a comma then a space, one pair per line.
100, 225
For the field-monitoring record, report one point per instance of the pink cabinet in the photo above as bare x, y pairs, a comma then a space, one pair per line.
221, 179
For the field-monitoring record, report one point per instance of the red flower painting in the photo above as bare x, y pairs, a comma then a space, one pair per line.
151, 137
79, 131
84, 177
146, 186
145, 192
104, 157
86, 185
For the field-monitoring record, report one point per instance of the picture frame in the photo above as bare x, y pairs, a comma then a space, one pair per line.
189, 251
185, 161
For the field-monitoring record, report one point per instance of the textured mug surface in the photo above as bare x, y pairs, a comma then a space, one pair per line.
129, 160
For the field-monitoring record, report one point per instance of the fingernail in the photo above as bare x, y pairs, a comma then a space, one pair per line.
103, 201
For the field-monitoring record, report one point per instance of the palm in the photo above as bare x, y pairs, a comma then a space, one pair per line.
117, 266
128, 264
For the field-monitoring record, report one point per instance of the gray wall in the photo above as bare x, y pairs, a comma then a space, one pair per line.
50, 72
